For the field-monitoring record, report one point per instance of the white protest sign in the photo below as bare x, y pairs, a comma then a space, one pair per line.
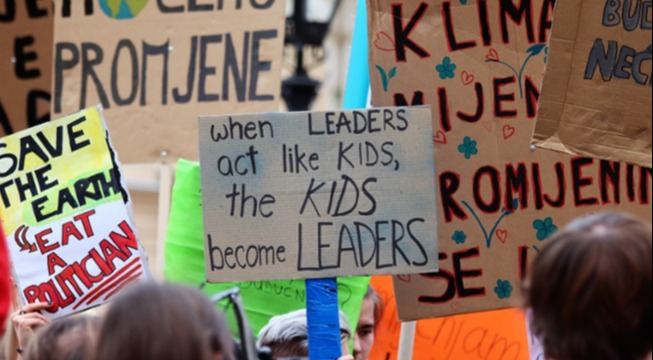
322, 194
66, 214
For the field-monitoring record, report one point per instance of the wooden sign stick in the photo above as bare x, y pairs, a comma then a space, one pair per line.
407, 340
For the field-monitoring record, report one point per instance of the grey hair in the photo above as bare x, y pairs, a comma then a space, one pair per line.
293, 328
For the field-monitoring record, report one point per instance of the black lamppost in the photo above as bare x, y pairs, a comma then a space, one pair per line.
307, 24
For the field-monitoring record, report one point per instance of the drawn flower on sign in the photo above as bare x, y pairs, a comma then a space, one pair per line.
546, 55
459, 237
464, 2
489, 235
532, 52
503, 289
386, 76
447, 69
545, 228
468, 147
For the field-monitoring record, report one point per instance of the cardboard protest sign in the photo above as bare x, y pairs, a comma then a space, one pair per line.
496, 335
596, 97
318, 195
155, 65
479, 64
26, 29
262, 299
67, 216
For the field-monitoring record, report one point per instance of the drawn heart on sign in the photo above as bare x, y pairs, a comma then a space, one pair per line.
487, 125
502, 234
440, 137
384, 42
508, 132
405, 278
493, 55
467, 78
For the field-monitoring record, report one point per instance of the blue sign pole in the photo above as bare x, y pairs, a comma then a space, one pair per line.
324, 342
324, 339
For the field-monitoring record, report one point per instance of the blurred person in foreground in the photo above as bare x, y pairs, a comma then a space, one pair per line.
590, 291
214, 324
163, 322
71, 338
287, 335
371, 314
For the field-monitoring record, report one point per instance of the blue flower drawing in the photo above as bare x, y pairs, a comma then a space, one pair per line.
532, 52
447, 69
468, 147
459, 237
503, 289
545, 228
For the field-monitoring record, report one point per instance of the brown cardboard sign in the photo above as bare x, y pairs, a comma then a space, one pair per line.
155, 65
596, 97
319, 194
25, 64
479, 64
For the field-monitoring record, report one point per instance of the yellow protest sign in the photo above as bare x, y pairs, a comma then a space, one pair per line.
66, 214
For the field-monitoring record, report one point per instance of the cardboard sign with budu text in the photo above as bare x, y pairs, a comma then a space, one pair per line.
596, 97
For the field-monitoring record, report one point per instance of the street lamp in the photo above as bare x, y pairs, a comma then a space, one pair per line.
307, 24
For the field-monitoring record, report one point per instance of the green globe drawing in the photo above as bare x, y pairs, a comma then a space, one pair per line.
122, 9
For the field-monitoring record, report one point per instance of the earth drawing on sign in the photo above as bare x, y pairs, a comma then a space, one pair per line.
122, 9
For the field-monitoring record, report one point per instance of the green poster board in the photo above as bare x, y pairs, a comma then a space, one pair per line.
262, 299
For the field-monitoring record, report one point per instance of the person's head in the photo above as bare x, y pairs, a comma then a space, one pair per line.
590, 290
371, 313
70, 338
153, 321
287, 335
214, 324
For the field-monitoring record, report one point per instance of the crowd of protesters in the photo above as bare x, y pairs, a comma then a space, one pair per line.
589, 293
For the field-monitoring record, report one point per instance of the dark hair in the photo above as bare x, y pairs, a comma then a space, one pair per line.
590, 290
379, 307
70, 338
214, 324
153, 321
